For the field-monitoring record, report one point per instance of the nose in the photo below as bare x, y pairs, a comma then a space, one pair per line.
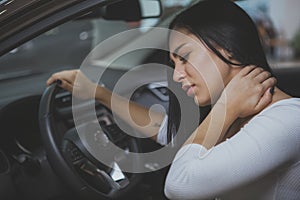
179, 73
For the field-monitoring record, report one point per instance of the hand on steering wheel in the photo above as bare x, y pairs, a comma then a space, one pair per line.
72, 161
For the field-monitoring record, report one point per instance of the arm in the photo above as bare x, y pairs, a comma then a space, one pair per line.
268, 141
142, 119
245, 95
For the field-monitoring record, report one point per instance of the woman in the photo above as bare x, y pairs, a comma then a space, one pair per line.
260, 160
249, 140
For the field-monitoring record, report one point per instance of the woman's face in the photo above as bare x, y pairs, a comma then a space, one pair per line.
201, 73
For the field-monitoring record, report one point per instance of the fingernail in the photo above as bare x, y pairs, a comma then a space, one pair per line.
59, 82
272, 90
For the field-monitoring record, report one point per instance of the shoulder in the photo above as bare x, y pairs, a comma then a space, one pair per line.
277, 127
286, 112
281, 116
285, 104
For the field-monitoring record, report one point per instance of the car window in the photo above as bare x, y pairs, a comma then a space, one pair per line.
66, 46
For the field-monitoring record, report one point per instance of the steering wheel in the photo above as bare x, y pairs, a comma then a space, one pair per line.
72, 162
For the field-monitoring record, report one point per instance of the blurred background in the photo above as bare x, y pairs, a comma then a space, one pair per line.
278, 24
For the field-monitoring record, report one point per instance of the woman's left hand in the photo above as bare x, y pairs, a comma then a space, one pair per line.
248, 92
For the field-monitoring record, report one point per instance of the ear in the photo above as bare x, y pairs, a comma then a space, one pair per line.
226, 54
229, 57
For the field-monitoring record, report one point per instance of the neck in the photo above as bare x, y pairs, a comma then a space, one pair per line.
239, 123
279, 95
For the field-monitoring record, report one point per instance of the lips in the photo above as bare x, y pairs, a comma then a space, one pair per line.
189, 89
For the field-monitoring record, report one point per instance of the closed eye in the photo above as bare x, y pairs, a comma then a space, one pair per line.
184, 58
171, 63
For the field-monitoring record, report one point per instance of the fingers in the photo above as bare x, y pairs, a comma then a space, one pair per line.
50, 80
269, 83
65, 76
267, 91
65, 85
255, 72
246, 70
262, 76
264, 100
263, 82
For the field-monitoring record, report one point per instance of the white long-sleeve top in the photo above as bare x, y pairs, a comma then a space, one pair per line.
261, 161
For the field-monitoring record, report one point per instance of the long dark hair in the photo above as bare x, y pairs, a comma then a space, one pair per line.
219, 24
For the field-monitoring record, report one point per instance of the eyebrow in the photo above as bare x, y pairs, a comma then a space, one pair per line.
175, 53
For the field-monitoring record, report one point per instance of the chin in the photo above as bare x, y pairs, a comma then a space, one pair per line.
202, 101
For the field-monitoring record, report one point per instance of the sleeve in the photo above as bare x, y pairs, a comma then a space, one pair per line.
270, 139
162, 133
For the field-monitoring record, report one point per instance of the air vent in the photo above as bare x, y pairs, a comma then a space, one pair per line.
160, 90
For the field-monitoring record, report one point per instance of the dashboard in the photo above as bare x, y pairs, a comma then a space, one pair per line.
22, 156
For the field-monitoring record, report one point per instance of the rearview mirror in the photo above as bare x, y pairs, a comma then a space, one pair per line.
150, 8
128, 10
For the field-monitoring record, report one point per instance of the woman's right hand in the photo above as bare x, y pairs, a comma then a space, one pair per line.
75, 82
248, 92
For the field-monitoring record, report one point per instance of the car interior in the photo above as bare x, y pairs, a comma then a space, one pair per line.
41, 154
